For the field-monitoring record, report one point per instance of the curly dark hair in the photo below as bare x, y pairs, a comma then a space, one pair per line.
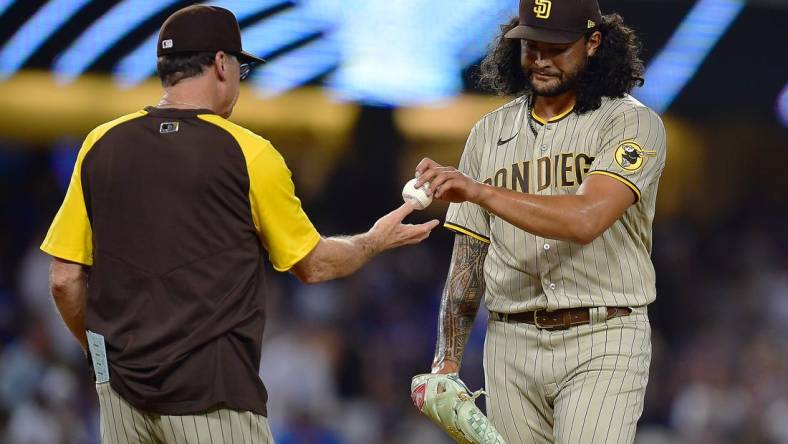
612, 71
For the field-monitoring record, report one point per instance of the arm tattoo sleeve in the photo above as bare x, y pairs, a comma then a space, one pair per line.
461, 297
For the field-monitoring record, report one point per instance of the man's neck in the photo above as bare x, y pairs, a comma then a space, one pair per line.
547, 108
186, 96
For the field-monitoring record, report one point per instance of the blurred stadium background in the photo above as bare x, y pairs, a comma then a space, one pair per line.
355, 93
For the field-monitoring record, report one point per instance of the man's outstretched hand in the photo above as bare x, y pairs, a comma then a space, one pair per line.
389, 231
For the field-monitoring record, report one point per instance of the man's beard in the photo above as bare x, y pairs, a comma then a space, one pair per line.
566, 82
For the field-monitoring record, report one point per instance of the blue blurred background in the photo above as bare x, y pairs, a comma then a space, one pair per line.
355, 93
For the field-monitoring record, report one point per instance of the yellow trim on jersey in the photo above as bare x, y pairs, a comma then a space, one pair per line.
552, 119
620, 179
70, 237
466, 231
284, 229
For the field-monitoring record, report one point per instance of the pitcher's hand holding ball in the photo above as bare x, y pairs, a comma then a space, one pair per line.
447, 183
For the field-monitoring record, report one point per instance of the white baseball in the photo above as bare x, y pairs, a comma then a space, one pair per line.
416, 196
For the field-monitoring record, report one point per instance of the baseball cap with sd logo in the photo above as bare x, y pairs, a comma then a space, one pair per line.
555, 21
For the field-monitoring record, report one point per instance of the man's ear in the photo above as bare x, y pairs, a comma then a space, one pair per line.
593, 42
221, 65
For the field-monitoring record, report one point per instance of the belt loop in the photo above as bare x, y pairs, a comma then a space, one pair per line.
500, 317
597, 315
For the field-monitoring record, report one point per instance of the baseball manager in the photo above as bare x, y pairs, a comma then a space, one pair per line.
160, 244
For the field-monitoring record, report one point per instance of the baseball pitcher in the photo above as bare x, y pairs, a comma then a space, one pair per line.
552, 204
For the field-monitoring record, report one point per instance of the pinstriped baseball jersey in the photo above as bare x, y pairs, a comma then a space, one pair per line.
624, 140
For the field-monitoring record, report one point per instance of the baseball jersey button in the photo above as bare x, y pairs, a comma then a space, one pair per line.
544, 147
552, 286
546, 247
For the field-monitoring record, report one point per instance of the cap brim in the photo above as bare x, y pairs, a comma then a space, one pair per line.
542, 34
250, 58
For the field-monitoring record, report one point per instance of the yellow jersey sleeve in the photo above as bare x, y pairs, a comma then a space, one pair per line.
284, 228
70, 236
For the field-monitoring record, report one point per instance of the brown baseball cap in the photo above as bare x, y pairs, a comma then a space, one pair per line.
555, 21
199, 28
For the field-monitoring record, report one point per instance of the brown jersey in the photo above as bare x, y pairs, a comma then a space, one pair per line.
173, 210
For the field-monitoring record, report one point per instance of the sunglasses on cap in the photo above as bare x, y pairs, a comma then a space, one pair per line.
245, 66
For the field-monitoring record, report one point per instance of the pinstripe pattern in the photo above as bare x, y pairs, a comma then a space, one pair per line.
581, 385
585, 384
121, 423
526, 272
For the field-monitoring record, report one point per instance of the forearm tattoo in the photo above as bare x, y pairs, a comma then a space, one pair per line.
461, 297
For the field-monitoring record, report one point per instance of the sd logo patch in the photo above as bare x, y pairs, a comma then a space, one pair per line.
630, 156
542, 8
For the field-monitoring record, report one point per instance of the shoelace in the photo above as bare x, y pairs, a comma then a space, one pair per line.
472, 396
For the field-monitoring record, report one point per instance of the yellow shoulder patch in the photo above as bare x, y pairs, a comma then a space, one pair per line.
630, 156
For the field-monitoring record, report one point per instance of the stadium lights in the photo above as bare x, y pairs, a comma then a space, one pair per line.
35, 32
4, 4
102, 34
140, 63
380, 52
693, 40
411, 52
297, 67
